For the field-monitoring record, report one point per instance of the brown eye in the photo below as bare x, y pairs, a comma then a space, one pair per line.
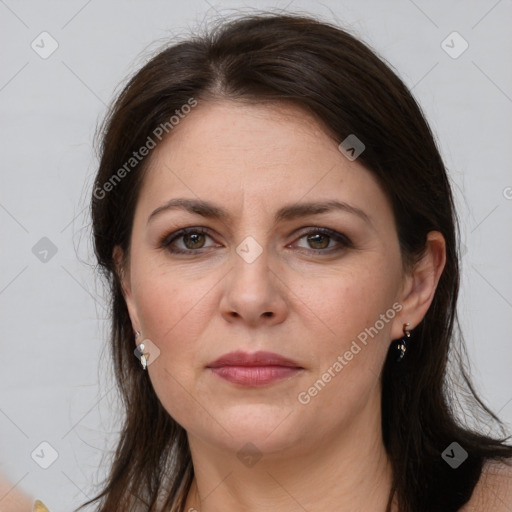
193, 240
325, 241
187, 240
318, 241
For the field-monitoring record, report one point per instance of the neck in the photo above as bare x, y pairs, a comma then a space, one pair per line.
350, 469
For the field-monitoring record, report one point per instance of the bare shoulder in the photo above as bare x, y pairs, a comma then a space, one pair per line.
12, 499
494, 489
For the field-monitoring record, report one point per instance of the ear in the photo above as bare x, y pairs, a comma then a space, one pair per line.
420, 284
123, 271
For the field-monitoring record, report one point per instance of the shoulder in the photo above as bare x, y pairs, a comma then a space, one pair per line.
12, 499
493, 490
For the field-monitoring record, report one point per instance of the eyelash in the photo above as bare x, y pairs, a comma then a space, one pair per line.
166, 241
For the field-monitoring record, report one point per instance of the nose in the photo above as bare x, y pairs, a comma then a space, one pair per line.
254, 293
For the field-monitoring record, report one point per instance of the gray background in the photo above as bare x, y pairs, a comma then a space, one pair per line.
54, 380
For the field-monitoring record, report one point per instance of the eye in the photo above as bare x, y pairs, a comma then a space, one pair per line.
319, 239
193, 239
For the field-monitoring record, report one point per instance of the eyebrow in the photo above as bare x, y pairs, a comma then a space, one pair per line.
286, 213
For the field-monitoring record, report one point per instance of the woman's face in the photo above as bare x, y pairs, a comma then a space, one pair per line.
320, 288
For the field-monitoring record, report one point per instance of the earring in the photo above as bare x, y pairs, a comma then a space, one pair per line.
139, 352
402, 344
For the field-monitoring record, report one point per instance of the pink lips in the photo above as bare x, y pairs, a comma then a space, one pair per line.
257, 369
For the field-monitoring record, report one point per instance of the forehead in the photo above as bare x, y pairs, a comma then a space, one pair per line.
258, 155
242, 138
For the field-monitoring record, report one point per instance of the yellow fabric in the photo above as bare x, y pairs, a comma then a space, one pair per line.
39, 506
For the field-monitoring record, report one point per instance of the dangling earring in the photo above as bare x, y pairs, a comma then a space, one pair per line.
139, 352
402, 344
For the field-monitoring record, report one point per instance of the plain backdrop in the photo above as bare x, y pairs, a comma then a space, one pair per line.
55, 383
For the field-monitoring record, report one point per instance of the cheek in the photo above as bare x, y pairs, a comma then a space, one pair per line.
357, 313
171, 312
173, 316
166, 305
356, 301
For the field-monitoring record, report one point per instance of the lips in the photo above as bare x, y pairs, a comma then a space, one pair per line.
240, 358
257, 369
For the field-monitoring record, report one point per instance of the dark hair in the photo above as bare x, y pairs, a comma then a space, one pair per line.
337, 78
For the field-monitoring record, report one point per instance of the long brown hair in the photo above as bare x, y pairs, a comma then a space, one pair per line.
333, 75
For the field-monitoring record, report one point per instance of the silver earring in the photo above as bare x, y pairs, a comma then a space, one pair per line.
402, 344
139, 352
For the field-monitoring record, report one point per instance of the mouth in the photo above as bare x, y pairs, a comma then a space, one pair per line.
253, 370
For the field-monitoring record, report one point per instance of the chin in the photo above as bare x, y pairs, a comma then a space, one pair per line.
268, 429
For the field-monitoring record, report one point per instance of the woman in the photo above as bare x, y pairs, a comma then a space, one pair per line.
277, 228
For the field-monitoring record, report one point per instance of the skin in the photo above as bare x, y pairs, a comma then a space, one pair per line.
307, 306
494, 489
12, 499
